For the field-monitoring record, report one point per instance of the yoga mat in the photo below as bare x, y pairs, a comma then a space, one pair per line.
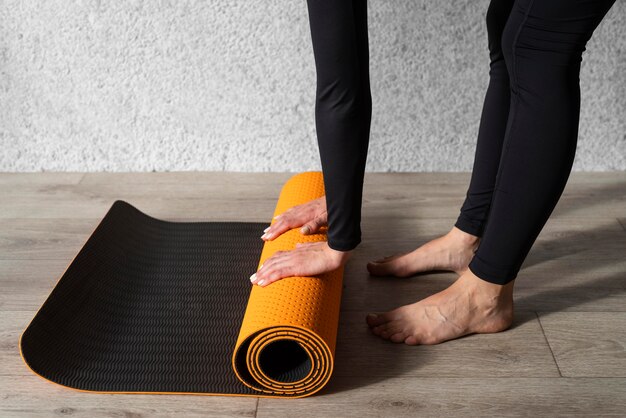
154, 306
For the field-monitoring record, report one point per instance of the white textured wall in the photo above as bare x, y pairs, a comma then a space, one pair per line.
121, 85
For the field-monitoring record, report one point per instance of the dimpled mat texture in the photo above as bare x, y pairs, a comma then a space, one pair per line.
153, 306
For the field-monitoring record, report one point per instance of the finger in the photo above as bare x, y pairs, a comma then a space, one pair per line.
274, 273
276, 229
307, 245
287, 220
277, 257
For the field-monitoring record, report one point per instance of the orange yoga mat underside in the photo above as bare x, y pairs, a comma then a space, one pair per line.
302, 309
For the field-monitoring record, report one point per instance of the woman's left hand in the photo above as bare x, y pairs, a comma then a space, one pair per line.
307, 259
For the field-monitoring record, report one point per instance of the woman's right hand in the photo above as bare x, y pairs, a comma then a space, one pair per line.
310, 216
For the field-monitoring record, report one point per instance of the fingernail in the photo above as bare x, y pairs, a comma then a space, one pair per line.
276, 217
372, 315
260, 283
265, 230
260, 267
263, 236
305, 229
253, 278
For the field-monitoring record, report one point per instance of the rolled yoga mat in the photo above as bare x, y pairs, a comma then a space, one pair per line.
153, 306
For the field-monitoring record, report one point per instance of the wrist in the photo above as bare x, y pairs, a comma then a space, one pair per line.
339, 256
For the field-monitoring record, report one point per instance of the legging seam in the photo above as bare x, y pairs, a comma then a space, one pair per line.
515, 41
514, 95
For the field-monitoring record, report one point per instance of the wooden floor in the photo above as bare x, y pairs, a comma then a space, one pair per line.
564, 356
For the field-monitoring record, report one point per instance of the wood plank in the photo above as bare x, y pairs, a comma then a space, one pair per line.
604, 293
573, 266
587, 344
569, 239
579, 271
12, 324
10, 182
556, 290
189, 180
463, 177
210, 207
211, 196
33, 396
165, 192
457, 397
592, 239
521, 351
432, 201
44, 239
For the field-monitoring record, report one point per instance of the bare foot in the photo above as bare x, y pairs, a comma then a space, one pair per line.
471, 305
452, 251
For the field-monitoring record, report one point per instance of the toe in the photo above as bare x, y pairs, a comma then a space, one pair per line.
388, 329
384, 333
411, 340
374, 320
394, 266
378, 330
398, 337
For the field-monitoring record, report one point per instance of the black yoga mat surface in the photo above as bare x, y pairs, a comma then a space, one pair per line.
148, 306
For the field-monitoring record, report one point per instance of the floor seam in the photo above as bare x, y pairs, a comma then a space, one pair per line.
549, 346
256, 407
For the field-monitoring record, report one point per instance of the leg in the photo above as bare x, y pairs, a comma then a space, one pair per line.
343, 110
495, 114
455, 250
542, 42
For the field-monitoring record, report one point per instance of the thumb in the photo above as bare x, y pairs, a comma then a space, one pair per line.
311, 227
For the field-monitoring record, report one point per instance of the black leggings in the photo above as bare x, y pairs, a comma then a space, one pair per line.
528, 128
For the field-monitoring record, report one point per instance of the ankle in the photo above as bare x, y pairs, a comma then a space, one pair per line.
463, 237
487, 292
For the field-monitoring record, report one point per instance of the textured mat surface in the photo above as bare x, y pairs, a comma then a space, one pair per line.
152, 306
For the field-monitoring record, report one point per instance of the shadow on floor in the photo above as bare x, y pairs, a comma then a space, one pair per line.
548, 294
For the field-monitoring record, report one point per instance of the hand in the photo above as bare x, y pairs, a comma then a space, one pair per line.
307, 259
311, 216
